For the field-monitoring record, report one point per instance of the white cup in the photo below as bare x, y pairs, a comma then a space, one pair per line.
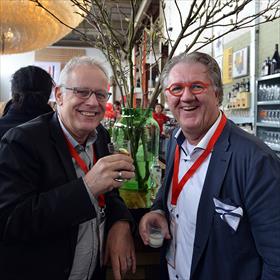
155, 236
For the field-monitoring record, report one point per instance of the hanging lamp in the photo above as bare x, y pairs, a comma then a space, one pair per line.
25, 26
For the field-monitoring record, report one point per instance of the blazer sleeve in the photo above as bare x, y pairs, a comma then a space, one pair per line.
262, 203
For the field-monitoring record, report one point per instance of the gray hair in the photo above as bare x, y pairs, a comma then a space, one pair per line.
196, 57
77, 61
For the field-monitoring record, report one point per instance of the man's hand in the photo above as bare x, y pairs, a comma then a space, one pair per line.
120, 249
102, 176
153, 218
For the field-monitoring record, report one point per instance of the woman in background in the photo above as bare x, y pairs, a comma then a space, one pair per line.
31, 88
161, 119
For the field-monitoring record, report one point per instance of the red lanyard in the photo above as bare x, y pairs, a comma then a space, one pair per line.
83, 166
178, 186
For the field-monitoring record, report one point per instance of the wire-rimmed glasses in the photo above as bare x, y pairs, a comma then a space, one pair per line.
86, 93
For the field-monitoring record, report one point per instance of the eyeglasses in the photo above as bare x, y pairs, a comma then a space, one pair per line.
177, 89
86, 93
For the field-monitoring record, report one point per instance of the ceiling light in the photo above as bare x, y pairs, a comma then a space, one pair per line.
25, 26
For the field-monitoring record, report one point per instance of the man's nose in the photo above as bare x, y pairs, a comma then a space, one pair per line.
187, 94
92, 99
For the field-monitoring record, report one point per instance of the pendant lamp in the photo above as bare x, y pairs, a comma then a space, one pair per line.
26, 26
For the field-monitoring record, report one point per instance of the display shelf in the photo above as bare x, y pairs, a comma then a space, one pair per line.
267, 124
269, 77
273, 147
267, 118
241, 120
273, 102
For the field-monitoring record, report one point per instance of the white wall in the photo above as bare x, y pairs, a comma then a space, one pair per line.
173, 21
11, 63
8, 65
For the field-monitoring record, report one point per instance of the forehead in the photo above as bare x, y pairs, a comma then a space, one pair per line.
87, 76
189, 72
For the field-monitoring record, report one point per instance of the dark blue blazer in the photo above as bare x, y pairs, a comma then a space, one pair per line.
244, 172
42, 202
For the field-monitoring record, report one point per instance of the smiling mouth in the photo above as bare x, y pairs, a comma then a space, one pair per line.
88, 114
189, 109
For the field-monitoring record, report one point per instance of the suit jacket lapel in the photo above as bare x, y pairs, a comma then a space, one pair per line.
219, 161
57, 137
60, 145
100, 145
169, 170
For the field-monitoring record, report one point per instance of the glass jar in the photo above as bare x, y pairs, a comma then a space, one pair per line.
138, 126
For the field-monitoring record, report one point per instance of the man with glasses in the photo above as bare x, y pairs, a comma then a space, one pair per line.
59, 188
219, 205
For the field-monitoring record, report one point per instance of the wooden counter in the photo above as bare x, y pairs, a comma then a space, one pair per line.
147, 258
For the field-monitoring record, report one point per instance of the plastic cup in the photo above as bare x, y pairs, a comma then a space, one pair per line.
155, 236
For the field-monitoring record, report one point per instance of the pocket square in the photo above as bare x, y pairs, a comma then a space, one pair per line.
228, 213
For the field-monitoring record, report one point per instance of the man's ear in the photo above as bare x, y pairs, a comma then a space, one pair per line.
58, 95
217, 97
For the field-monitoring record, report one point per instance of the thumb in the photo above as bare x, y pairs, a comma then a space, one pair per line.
166, 233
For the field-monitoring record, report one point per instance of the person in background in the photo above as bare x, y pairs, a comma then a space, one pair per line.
117, 109
59, 188
31, 88
160, 117
224, 218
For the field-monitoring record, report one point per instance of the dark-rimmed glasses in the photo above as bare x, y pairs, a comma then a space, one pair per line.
86, 93
177, 89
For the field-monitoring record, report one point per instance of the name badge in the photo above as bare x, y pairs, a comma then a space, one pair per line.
171, 251
101, 230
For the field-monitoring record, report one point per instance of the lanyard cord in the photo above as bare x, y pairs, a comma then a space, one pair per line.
178, 186
81, 163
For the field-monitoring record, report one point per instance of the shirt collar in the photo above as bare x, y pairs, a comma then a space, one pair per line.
187, 147
90, 140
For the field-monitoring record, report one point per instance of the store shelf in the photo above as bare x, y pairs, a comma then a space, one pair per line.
269, 77
273, 147
267, 124
241, 120
272, 102
267, 119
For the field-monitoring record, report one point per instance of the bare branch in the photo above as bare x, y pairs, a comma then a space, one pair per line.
118, 43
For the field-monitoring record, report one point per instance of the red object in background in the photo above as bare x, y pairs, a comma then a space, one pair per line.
109, 112
161, 119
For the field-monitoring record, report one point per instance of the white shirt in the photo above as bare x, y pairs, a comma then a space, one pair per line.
187, 203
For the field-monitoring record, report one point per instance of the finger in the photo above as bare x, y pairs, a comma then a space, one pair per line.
116, 268
144, 234
124, 265
123, 175
119, 157
166, 234
133, 258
